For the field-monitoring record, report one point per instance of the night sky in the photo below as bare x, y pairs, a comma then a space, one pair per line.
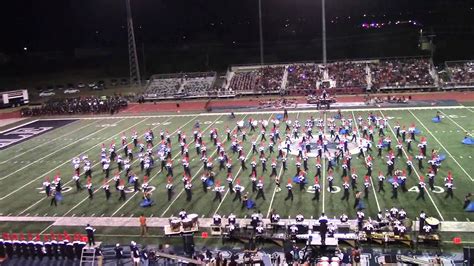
66, 24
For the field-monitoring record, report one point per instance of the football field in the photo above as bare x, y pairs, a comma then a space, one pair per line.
47, 147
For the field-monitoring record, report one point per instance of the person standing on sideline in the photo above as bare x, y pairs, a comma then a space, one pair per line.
143, 226
90, 235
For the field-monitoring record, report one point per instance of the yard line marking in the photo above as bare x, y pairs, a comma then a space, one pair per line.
455, 219
275, 189
235, 177
100, 187
66, 162
371, 180
274, 192
467, 219
323, 165
54, 152
415, 170
157, 173
55, 168
182, 190
445, 115
442, 146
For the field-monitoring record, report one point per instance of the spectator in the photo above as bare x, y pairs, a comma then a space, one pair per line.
143, 225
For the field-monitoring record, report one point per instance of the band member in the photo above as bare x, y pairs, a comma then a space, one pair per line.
316, 188
238, 191
421, 188
260, 192
381, 180
366, 187
76, 180
289, 187
47, 187
449, 188
188, 189
218, 189
346, 187
121, 189
89, 188
169, 187
106, 188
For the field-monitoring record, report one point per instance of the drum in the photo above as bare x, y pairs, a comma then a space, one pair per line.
175, 224
324, 259
193, 217
335, 259
187, 224
433, 222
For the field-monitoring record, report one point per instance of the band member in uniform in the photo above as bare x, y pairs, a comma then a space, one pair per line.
260, 192
346, 187
218, 189
47, 187
121, 189
381, 180
421, 188
169, 188
366, 187
106, 188
76, 180
449, 188
238, 191
89, 188
395, 188
316, 188
289, 187
188, 189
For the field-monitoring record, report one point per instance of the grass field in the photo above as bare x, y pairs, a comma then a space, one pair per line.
25, 165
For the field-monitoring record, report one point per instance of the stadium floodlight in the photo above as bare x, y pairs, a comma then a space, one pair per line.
323, 17
260, 30
132, 49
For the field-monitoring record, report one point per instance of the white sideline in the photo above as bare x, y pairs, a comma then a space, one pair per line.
267, 112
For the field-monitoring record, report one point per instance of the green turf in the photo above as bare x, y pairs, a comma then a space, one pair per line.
23, 171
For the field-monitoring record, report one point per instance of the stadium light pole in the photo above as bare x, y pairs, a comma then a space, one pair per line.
132, 49
323, 17
261, 30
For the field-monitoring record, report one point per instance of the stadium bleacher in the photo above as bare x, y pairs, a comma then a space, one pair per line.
302, 79
402, 73
459, 74
180, 85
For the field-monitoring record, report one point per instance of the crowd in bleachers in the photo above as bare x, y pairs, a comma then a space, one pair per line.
402, 73
183, 84
163, 87
73, 106
348, 74
270, 78
460, 73
243, 81
303, 77
198, 86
